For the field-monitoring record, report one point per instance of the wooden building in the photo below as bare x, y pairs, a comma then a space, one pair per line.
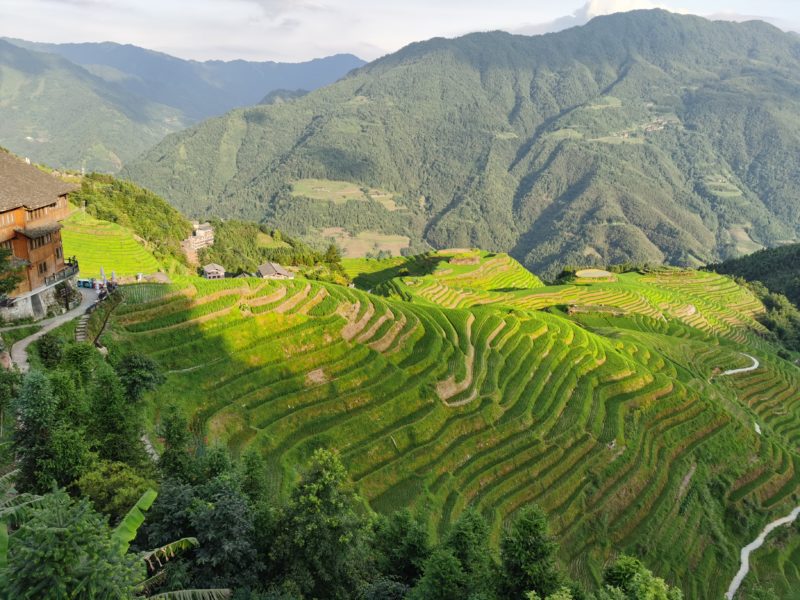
32, 204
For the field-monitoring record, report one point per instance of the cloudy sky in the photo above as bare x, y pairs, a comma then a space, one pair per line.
293, 30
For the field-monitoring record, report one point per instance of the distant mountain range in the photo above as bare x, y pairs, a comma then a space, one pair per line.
643, 136
99, 105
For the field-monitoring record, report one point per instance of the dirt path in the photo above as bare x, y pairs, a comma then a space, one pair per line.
19, 351
755, 545
753, 367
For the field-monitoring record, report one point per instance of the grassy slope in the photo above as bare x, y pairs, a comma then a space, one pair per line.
612, 423
99, 244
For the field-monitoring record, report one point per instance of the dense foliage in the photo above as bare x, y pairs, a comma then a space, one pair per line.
777, 268
641, 136
136, 209
242, 246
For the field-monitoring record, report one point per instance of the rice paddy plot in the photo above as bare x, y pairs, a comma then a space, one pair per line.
103, 245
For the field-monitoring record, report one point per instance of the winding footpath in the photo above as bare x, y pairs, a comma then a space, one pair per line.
753, 367
744, 568
755, 545
19, 351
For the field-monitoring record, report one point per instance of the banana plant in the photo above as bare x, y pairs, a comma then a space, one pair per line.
13, 507
154, 560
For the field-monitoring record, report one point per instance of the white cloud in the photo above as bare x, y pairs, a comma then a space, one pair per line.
587, 12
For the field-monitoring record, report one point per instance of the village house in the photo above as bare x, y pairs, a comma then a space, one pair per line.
202, 236
271, 270
32, 204
214, 271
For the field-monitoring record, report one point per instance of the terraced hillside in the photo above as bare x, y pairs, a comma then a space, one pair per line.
98, 243
609, 409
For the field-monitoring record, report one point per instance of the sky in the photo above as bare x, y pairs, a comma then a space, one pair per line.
296, 30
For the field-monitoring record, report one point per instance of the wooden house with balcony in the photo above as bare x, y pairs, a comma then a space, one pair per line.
32, 204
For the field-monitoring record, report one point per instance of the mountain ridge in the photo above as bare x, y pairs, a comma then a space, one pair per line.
97, 116
200, 89
642, 136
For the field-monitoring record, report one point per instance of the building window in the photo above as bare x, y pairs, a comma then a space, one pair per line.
59, 252
38, 213
42, 241
6, 219
42, 268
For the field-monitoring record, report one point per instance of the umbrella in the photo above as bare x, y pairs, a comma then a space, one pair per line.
103, 275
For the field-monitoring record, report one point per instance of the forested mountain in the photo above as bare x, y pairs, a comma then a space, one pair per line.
642, 136
56, 112
99, 105
776, 268
198, 89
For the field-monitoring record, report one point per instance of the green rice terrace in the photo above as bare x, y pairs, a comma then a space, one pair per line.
98, 243
461, 380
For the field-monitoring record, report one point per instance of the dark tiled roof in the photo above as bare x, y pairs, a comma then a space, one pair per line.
34, 233
22, 184
213, 267
269, 269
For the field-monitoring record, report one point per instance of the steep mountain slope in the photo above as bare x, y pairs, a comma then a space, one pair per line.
454, 390
57, 113
643, 135
198, 89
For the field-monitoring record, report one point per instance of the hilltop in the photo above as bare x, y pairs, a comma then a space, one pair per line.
462, 381
643, 136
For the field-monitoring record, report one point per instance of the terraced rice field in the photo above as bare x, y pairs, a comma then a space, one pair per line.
455, 390
103, 244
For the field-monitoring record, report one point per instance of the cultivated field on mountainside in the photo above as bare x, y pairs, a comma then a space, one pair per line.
103, 245
462, 380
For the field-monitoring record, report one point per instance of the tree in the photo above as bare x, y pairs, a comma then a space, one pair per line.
138, 374
80, 360
468, 540
65, 550
10, 381
443, 578
223, 523
116, 424
319, 536
50, 349
112, 488
253, 475
628, 578
175, 461
332, 255
401, 547
48, 451
528, 556
10, 273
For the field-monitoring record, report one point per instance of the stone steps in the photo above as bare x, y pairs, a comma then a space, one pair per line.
81, 333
